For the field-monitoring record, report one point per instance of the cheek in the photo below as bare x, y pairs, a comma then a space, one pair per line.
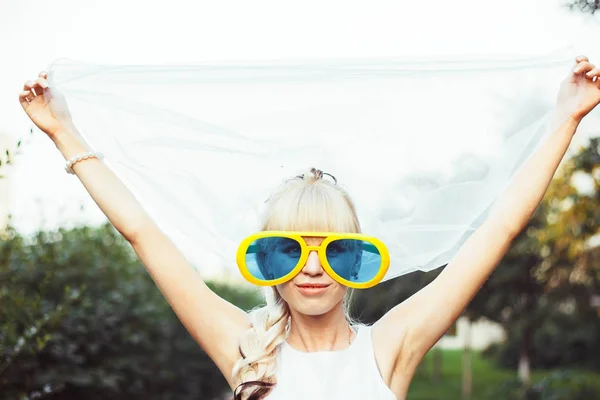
286, 291
283, 290
338, 291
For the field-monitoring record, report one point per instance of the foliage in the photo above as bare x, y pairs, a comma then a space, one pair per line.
81, 318
590, 6
561, 340
7, 157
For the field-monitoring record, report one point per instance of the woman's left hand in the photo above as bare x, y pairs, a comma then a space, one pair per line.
580, 92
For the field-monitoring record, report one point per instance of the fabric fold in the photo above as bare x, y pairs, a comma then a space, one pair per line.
424, 146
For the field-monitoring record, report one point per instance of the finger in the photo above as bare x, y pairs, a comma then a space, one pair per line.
581, 58
43, 74
23, 98
42, 82
36, 87
583, 67
39, 86
28, 85
593, 73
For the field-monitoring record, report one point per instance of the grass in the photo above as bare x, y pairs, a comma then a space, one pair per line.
487, 378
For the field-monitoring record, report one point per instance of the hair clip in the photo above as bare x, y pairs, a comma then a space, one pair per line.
318, 175
331, 176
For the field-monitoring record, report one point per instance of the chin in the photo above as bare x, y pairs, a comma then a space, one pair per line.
314, 309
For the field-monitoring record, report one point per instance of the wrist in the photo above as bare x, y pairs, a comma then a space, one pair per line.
563, 117
62, 130
576, 118
571, 124
64, 135
59, 136
69, 143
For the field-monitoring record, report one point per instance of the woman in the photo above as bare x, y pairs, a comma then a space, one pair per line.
303, 344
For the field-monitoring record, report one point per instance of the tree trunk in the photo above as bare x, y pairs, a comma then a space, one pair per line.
437, 365
524, 365
467, 371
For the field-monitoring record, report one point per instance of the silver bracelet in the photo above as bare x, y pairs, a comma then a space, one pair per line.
84, 156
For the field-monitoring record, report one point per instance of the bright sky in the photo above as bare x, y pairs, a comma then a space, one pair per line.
33, 33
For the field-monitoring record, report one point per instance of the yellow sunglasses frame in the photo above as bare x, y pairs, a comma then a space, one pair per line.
306, 249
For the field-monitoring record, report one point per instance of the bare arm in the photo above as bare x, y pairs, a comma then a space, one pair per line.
213, 322
414, 326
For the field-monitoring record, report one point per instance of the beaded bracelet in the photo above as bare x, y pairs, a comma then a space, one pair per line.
84, 156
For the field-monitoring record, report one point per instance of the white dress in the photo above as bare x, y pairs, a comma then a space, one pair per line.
351, 373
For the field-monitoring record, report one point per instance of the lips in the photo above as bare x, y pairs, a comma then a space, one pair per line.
313, 285
312, 289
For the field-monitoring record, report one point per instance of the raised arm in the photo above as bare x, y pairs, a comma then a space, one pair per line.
213, 322
413, 327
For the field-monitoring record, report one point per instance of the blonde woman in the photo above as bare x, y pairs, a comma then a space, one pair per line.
310, 250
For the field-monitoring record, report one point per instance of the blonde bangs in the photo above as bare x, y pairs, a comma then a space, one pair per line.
317, 206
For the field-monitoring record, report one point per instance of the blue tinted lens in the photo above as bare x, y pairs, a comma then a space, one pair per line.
354, 260
273, 257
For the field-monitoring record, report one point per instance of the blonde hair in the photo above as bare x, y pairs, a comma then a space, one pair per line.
306, 203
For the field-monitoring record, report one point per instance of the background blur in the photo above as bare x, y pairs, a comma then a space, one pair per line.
81, 319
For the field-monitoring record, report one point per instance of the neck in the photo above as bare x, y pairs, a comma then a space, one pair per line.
326, 332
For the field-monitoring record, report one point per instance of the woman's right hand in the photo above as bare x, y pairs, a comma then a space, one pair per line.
579, 94
37, 101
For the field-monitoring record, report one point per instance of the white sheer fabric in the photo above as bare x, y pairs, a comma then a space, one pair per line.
424, 146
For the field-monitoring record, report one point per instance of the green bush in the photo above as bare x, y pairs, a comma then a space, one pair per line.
81, 319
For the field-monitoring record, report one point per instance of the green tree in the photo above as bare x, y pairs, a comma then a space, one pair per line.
590, 6
81, 319
541, 290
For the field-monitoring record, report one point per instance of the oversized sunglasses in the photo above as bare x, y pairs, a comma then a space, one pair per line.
271, 258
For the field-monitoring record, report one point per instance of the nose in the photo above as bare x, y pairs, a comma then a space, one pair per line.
313, 265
